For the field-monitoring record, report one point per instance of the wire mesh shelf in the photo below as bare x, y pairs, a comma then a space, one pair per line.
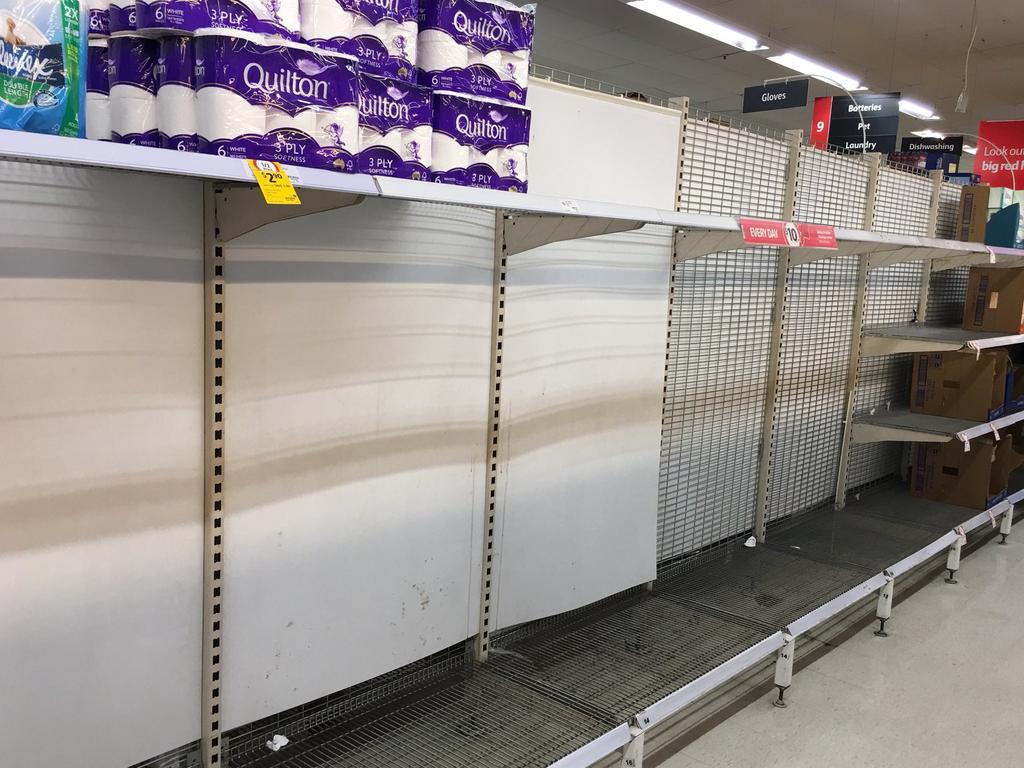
476, 720
762, 587
629, 657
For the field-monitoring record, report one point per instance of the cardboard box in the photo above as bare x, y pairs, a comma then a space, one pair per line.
995, 300
976, 478
961, 385
972, 214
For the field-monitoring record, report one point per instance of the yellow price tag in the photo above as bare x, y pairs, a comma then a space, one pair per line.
274, 183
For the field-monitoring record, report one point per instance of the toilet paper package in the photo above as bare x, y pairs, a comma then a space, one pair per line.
394, 128
159, 17
381, 34
175, 95
97, 92
132, 71
276, 18
121, 16
42, 77
477, 47
284, 101
99, 18
480, 142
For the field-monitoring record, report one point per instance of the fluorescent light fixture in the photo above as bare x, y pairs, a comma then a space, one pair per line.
970, 150
918, 110
817, 70
928, 133
685, 17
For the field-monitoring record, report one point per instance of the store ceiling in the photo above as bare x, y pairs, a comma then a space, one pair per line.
913, 46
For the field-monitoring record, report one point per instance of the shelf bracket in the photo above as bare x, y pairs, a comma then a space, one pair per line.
1006, 524
694, 243
241, 208
633, 753
526, 231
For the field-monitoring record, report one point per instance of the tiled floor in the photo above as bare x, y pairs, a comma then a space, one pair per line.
946, 688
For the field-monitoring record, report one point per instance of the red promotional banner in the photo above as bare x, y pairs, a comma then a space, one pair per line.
787, 234
821, 121
765, 232
817, 236
1000, 165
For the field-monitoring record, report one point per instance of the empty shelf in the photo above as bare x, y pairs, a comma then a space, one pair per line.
902, 425
922, 337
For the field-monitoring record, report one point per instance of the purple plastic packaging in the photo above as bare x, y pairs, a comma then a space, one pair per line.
97, 78
393, 58
291, 78
486, 128
484, 29
171, 16
175, 68
236, 15
133, 64
387, 105
99, 22
121, 16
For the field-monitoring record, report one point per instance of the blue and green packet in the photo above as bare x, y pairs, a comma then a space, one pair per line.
42, 80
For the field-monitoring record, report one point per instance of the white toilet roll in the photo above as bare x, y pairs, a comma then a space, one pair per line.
304, 121
339, 128
226, 115
446, 153
121, 15
325, 20
132, 110
97, 116
516, 67
176, 110
287, 14
423, 136
513, 163
437, 51
400, 39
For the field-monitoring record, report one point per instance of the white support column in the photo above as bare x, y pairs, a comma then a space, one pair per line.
773, 385
488, 584
953, 558
784, 668
633, 753
1006, 524
874, 170
926, 270
884, 610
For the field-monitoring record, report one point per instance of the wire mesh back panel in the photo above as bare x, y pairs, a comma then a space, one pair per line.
720, 330
948, 288
903, 207
817, 326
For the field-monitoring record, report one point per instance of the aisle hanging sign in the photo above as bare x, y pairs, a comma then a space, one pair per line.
839, 122
761, 98
951, 145
788, 234
998, 168
274, 183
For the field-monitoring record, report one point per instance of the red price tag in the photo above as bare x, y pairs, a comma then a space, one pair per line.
817, 236
766, 232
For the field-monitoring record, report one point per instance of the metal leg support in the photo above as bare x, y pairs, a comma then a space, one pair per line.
953, 560
1006, 524
633, 753
784, 669
884, 610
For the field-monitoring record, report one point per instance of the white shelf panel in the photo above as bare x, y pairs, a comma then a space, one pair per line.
922, 337
902, 425
706, 233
